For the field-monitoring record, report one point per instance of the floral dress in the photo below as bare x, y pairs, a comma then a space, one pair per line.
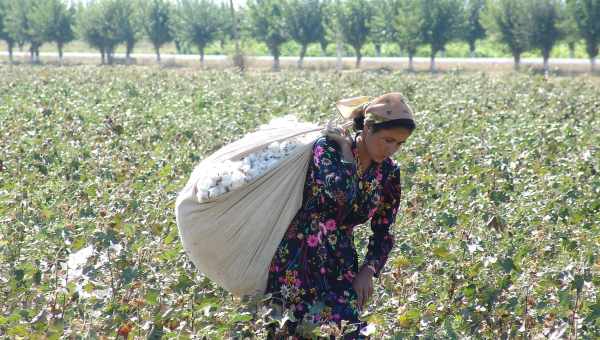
313, 268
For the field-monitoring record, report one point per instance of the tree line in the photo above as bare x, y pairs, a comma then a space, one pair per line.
521, 25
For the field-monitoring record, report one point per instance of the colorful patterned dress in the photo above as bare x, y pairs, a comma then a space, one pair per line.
313, 268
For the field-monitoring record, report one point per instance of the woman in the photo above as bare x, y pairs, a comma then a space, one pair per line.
351, 179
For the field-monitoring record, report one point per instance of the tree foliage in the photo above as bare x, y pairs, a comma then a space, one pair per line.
198, 21
156, 21
128, 23
18, 24
54, 21
545, 23
587, 17
442, 21
304, 22
267, 24
354, 19
4, 34
473, 29
104, 24
510, 22
407, 26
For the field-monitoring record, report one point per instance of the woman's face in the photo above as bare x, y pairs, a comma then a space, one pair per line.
384, 143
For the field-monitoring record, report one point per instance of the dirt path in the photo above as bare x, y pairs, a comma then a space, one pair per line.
322, 63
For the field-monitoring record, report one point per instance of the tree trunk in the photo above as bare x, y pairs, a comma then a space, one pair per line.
109, 55
592, 64
201, 48
358, 57
302, 53
60, 53
129, 49
411, 67
37, 55
517, 58
472, 49
546, 56
238, 59
432, 63
157, 50
31, 55
378, 50
11, 46
571, 49
103, 55
338, 51
323, 49
276, 66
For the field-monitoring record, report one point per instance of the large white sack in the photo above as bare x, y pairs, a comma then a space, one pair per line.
233, 237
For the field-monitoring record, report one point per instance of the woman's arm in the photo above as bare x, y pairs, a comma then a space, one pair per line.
382, 241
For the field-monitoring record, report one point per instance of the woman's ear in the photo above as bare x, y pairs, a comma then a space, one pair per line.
366, 130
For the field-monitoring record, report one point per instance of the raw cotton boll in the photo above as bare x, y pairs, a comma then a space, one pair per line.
231, 175
226, 180
202, 195
274, 147
215, 191
245, 167
237, 180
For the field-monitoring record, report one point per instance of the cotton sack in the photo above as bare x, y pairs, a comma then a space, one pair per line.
232, 238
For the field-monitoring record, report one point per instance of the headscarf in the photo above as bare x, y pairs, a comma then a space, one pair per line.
390, 106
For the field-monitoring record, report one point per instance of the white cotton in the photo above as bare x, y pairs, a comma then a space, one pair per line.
226, 180
274, 147
77, 260
237, 180
231, 175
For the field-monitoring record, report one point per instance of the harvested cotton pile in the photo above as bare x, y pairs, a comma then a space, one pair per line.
231, 175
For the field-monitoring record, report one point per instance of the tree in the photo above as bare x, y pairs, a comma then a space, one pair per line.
544, 26
568, 28
4, 35
382, 23
55, 23
442, 21
407, 26
354, 20
304, 20
328, 22
474, 30
100, 23
89, 26
226, 22
587, 17
19, 27
129, 27
267, 24
509, 20
156, 21
198, 23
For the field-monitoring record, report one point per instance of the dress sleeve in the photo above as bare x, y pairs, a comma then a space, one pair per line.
382, 241
334, 178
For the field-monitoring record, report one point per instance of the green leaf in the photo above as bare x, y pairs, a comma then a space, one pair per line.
442, 252
152, 296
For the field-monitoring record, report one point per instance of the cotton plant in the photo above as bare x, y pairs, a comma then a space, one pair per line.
231, 175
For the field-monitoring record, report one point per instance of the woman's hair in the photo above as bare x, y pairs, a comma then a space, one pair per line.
359, 124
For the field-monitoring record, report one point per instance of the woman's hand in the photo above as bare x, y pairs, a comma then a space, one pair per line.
363, 285
342, 139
